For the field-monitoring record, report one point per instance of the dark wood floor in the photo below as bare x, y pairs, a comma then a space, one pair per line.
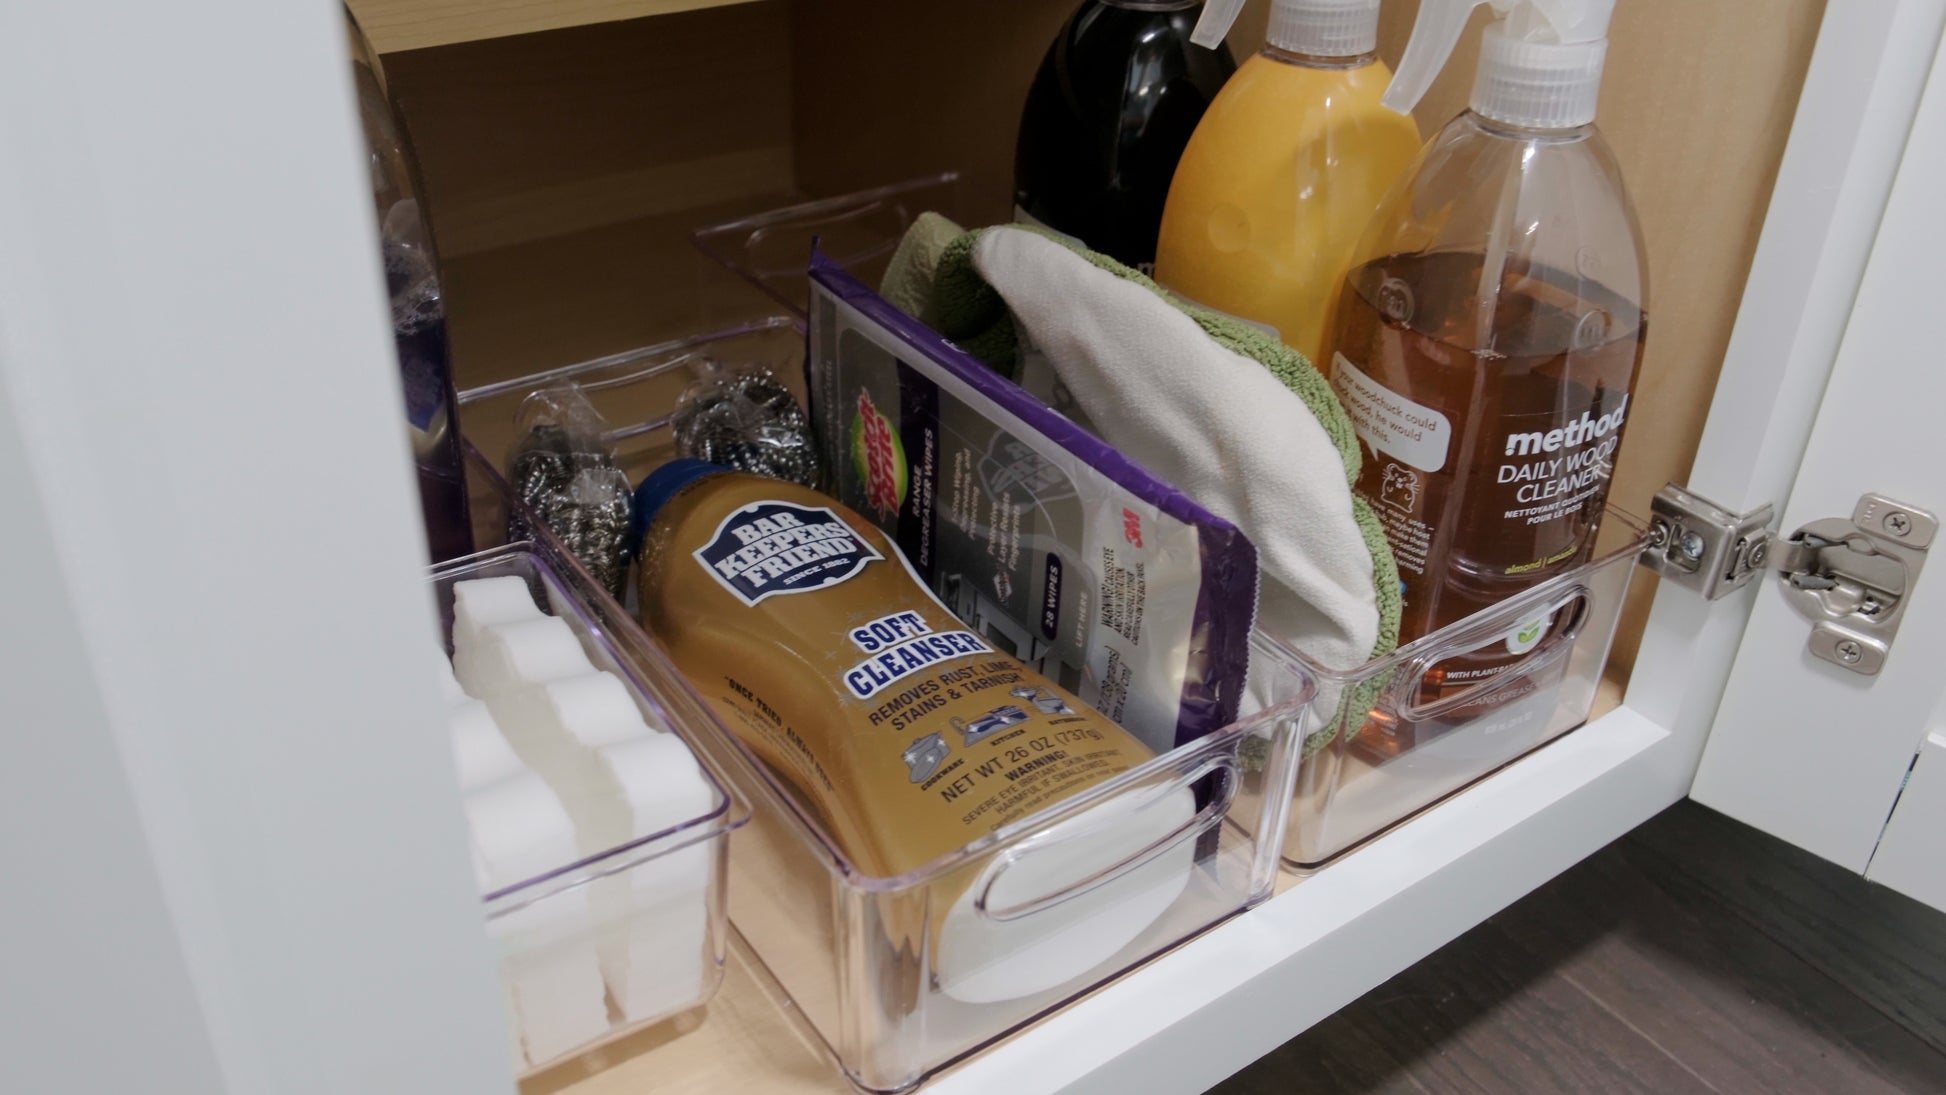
1693, 955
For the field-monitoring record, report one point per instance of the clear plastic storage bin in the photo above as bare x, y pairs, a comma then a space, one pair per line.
636, 390
772, 250
1378, 750
899, 977
593, 947
870, 962
1355, 782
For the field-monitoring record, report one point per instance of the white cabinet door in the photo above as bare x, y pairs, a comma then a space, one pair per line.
231, 859
1911, 856
1802, 748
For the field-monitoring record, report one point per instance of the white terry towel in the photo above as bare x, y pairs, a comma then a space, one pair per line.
1212, 422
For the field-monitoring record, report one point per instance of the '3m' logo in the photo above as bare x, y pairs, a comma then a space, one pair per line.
1132, 527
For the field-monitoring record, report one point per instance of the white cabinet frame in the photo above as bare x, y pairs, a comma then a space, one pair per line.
196, 385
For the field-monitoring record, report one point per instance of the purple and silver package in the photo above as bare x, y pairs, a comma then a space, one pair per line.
1046, 540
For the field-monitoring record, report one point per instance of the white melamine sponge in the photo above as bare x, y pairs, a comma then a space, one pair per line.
663, 784
556, 727
655, 949
555, 724
480, 750
549, 970
664, 956
520, 829
548, 963
594, 710
480, 603
561, 765
507, 657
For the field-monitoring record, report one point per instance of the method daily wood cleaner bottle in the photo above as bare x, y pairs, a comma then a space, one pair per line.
1488, 337
906, 734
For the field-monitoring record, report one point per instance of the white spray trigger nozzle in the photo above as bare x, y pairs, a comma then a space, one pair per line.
1217, 19
1440, 23
1434, 34
1562, 22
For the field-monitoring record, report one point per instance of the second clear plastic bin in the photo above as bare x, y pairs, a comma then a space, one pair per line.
1377, 752
899, 977
595, 944
772, 250
1379, 748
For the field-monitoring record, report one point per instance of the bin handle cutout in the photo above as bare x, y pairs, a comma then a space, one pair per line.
829, 220
1211, 815
1558, 644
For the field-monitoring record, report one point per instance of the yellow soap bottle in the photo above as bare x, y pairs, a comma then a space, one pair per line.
1285, 171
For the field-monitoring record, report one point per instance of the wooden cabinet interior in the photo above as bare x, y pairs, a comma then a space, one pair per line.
565, 168
396, 25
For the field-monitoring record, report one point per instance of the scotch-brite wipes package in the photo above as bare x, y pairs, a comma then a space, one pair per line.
1045, 540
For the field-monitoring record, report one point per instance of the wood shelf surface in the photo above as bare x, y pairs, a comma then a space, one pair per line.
741, 1040
395, 26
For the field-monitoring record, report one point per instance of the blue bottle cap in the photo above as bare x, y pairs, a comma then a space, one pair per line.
663, 484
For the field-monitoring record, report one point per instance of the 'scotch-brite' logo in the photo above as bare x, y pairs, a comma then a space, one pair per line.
767, 548
880, 458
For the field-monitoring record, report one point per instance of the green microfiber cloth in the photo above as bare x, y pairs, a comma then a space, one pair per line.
909, 277
964, 307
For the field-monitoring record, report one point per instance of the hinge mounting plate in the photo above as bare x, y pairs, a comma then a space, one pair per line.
1850, 578
1703, 547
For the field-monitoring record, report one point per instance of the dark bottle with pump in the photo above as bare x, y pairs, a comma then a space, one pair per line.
1108, 117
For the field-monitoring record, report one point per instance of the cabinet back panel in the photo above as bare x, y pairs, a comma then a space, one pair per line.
395, 25
550, 134
551, 137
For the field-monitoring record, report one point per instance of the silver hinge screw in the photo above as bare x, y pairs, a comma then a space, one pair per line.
1849, 651
1897, 523
1692, 546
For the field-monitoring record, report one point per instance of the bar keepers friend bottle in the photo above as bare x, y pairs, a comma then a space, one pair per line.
1491, 329
905, 734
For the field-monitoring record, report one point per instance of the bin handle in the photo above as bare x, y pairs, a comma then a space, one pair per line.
828, 219
1557, 645
1212, 814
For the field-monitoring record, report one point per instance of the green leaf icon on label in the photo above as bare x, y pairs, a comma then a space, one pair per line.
1527, 635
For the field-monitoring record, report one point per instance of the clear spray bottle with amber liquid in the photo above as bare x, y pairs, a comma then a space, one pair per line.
1485, 346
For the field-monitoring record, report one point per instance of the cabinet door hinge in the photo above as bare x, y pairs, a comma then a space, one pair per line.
1850, 578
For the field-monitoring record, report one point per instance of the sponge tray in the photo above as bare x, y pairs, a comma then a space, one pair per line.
598, 840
